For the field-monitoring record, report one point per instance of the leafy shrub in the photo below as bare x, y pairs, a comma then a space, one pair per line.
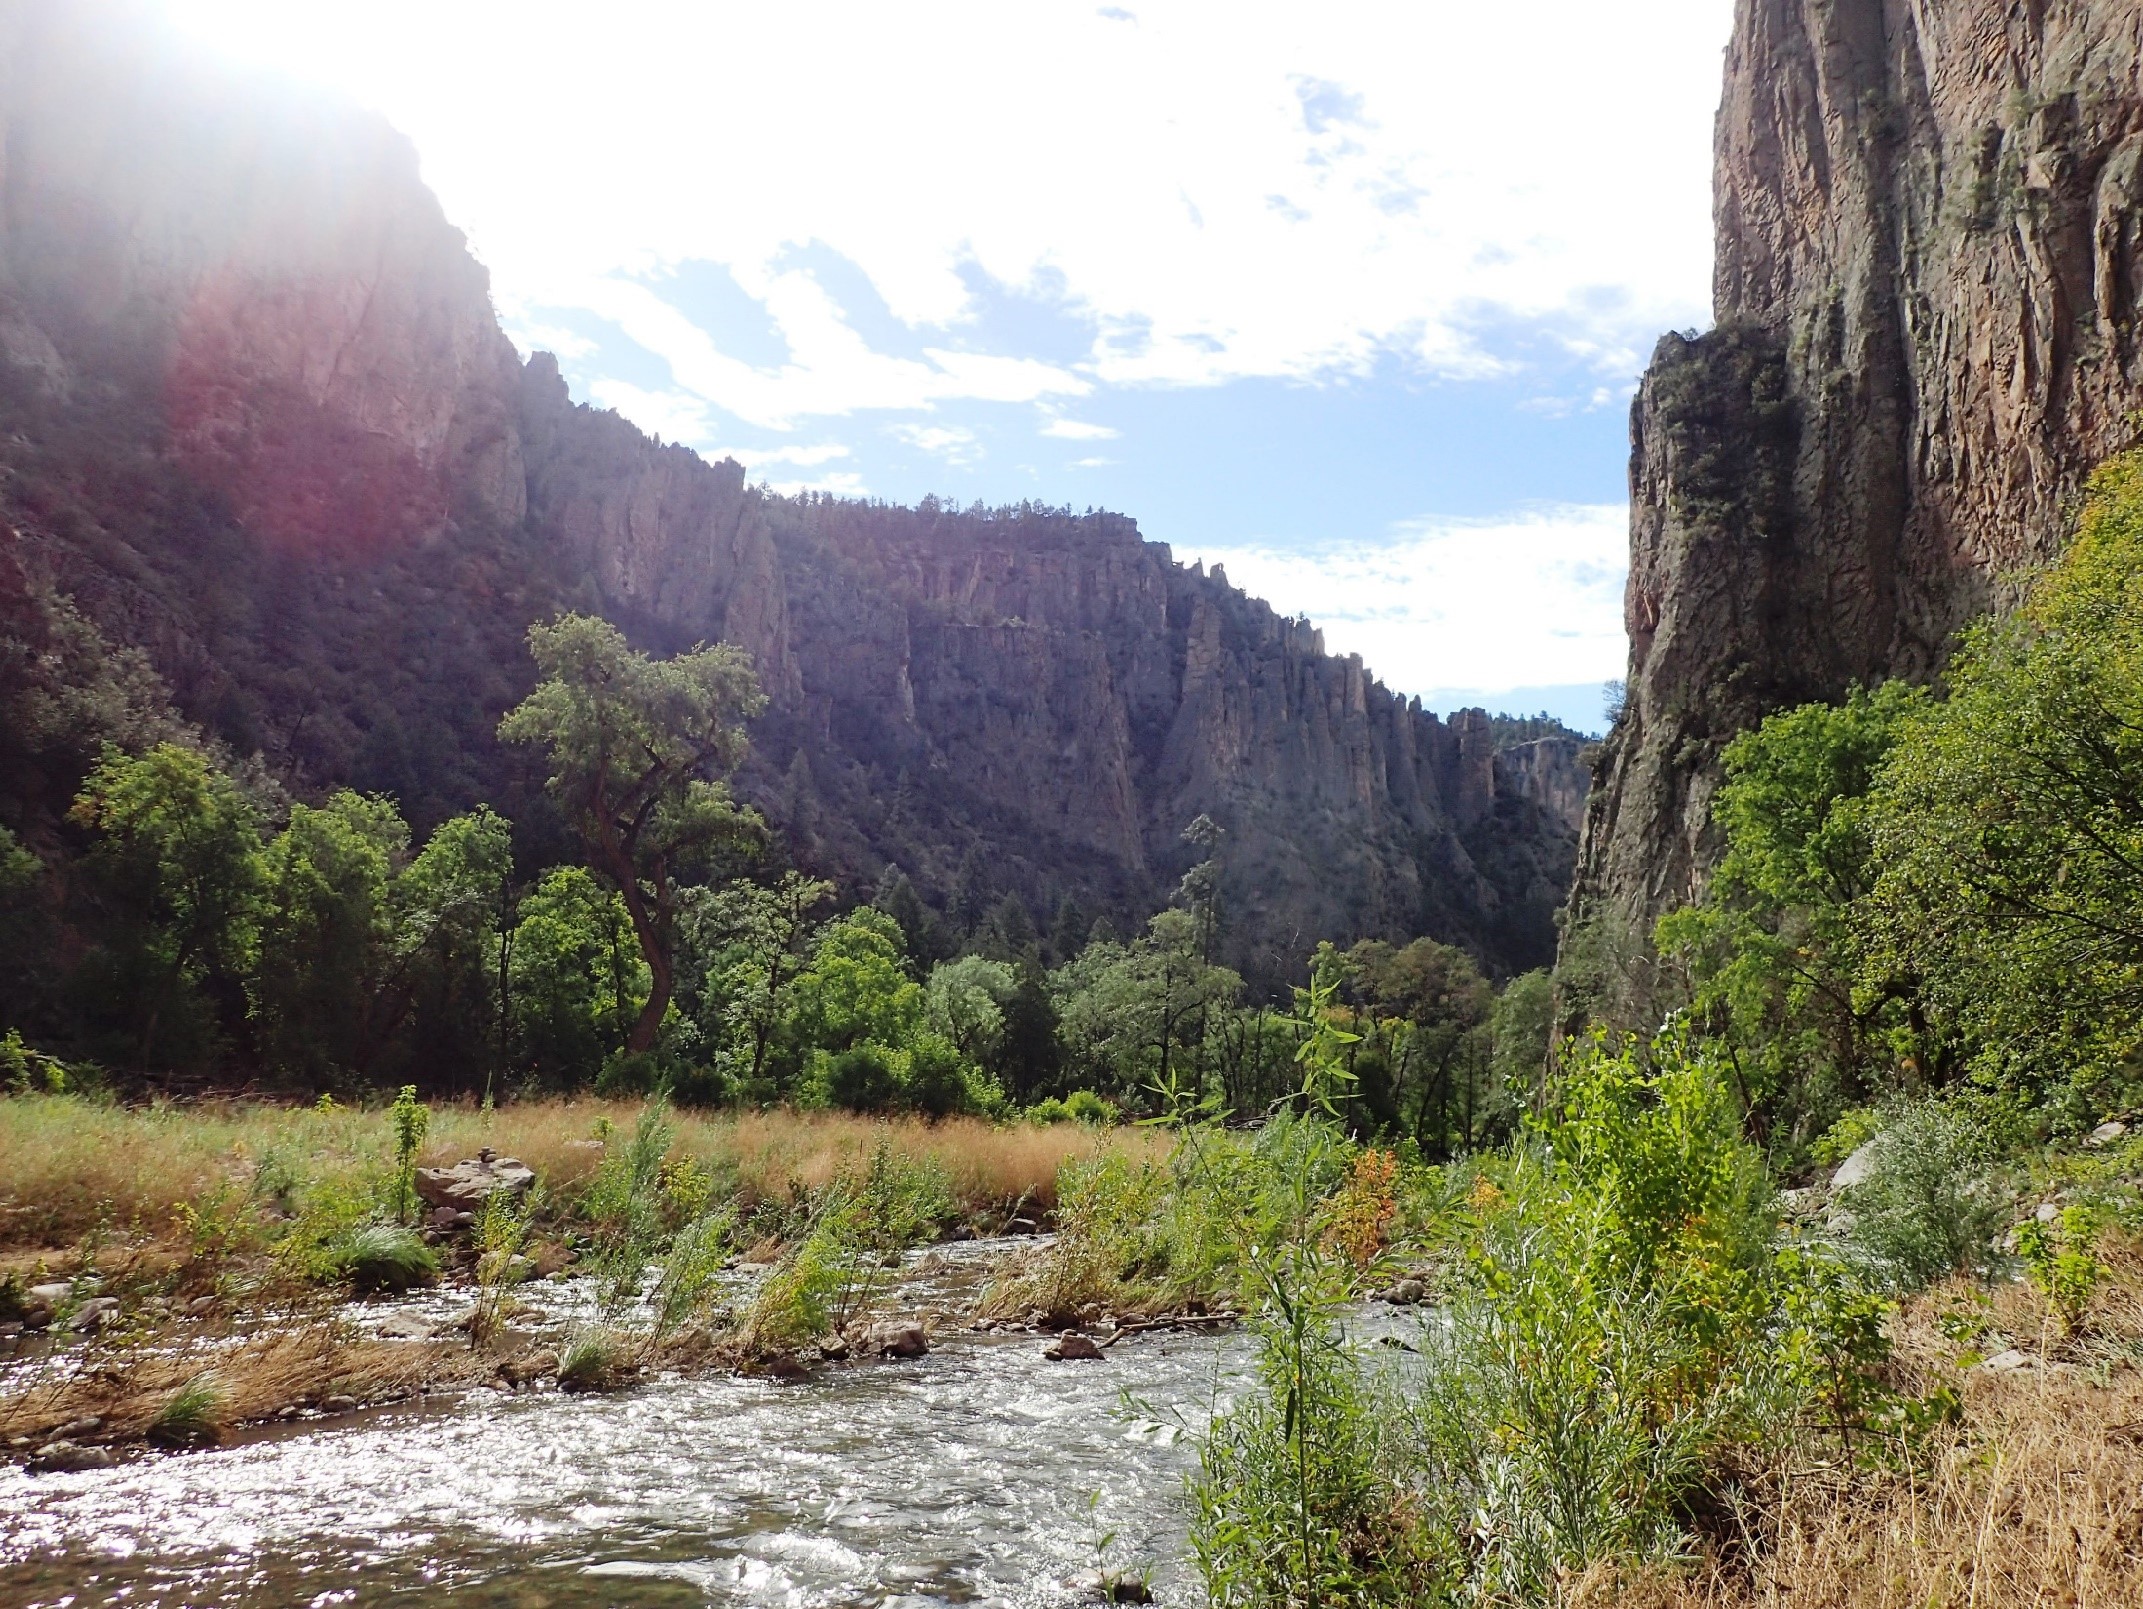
934, 1082
863, 1078
331, 1209
1925, 1210
1084, 1106
24, 1071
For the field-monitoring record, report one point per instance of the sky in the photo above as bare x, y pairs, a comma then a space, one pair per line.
1350, 298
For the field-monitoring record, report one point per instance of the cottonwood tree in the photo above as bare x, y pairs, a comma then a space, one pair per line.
176, 863
640, 750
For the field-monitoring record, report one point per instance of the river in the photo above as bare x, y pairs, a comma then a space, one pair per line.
980, 1474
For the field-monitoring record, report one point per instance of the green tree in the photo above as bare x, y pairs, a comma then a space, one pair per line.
577, 979
966, 1000
1134, 1016
919, 925
856, 988
449, 908
1519, 1031
176, 863
327, 931
1771, 960
756, 941
639, 749
2008, 829
1424, 1012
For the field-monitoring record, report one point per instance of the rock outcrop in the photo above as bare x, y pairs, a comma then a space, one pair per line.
259, 418
1929, 255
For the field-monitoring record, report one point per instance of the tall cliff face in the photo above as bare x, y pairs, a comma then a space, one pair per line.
1929, 258
257, 414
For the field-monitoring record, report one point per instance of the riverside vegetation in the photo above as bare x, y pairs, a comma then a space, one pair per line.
1668, 1358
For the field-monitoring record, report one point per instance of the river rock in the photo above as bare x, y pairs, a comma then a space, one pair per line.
407, 1327
75, 1429
2106, 1133
1112, 1586
59, 1457
1406, 1293
2005, 1362
1072, 1346
1856, 1168
465, 1186
338, 1404
93, 1314
896, 1341
530, 1367
39, 1302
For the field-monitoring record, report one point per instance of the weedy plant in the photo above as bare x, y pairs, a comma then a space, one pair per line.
501, 1231
2061, 1260
409, 1118
696, 1257
597, 1358
625, 1203
1624, 1323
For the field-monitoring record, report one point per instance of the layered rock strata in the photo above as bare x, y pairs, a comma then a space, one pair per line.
1929, 254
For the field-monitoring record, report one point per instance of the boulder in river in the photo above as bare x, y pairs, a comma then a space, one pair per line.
1071, 1347
467, 1185
59, 1457
1406, 1293
896, 1341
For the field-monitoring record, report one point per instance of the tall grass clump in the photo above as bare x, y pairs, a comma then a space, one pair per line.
192, 1414
378, 1258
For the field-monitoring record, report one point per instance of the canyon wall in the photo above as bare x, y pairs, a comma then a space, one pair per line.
258, 417
1929, 253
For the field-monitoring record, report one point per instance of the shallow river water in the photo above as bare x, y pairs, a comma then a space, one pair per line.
978, 1474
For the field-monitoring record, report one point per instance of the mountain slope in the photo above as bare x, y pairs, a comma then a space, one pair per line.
257, 415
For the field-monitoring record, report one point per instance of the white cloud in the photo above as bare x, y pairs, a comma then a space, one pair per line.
803, 457
1529, 600
672, 415
954, 444
1092, 463
1079, 430
841, 483
1269, 190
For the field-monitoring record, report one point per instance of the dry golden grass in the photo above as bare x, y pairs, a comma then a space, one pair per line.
2036, 1499
66, 1164
256, 1379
